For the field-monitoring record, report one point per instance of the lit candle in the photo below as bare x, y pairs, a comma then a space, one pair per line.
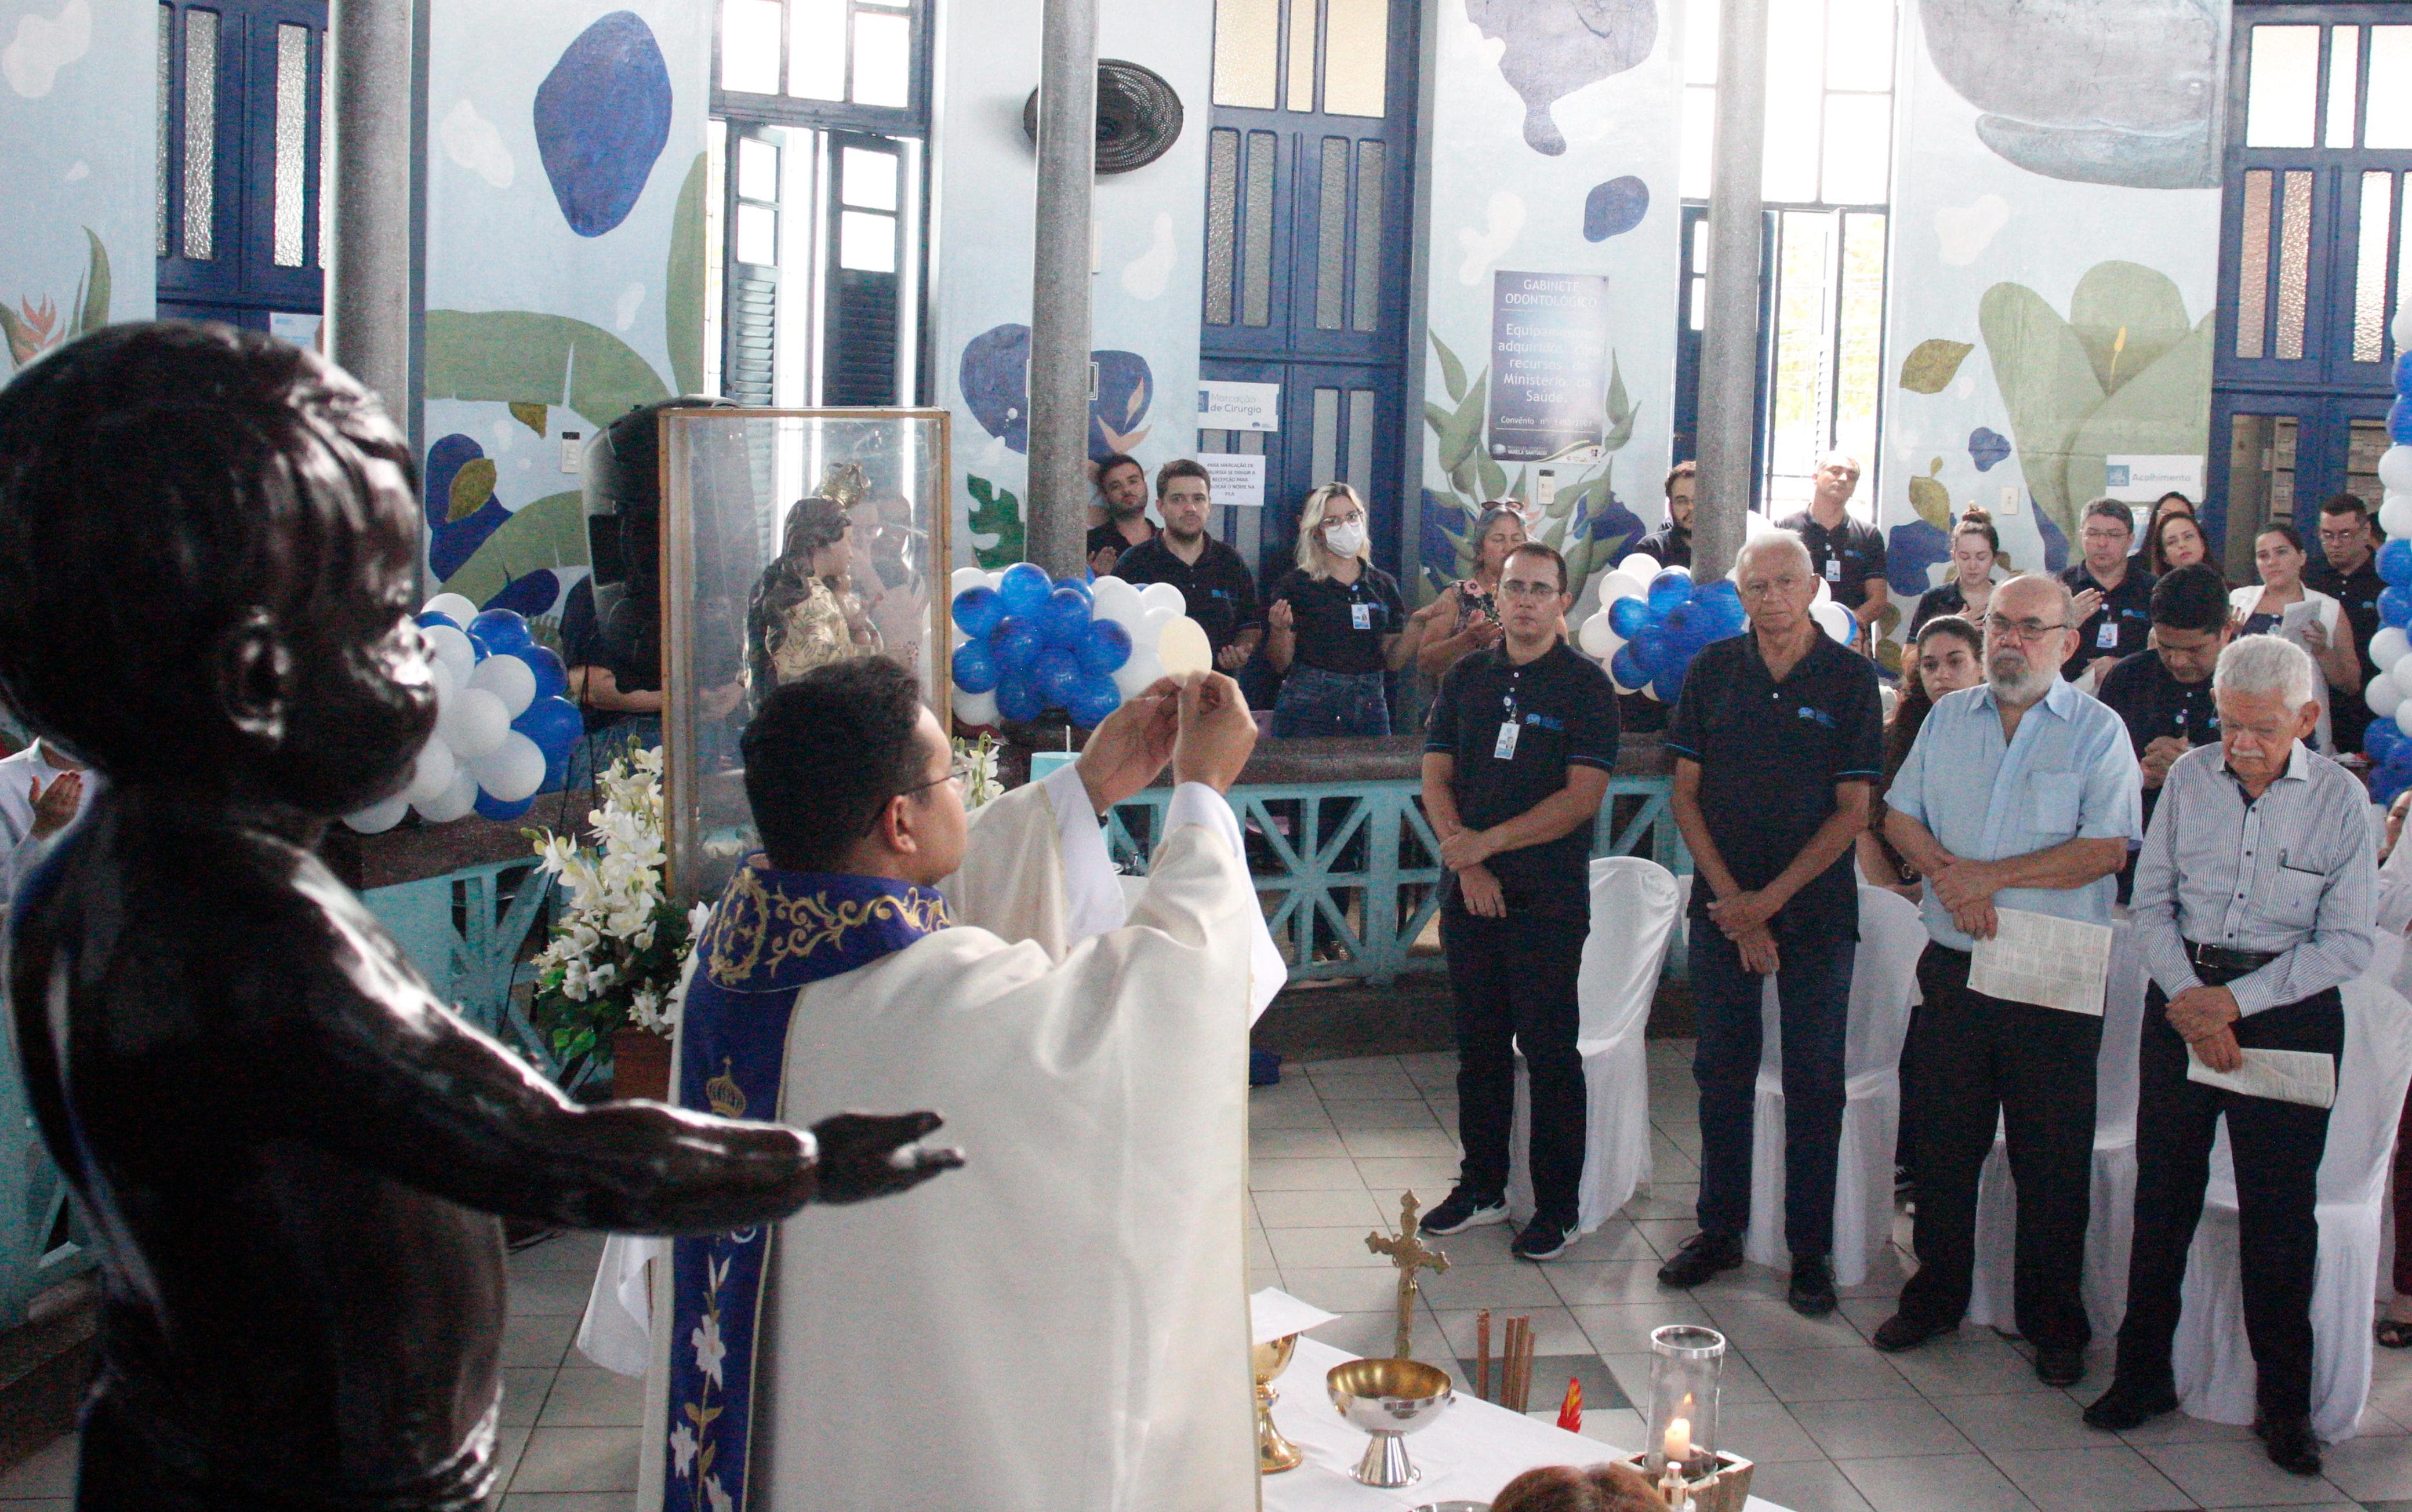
1678, 1440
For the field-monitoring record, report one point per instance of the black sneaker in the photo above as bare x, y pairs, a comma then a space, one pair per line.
1703, 1256
1812, 1293
1464, 1211
1544, 1239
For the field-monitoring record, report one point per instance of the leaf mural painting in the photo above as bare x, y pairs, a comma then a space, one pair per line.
2125, 372
1932, 364
999, 514
33, 327
507, 356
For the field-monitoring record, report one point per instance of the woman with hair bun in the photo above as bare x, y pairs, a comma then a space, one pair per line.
1976, 547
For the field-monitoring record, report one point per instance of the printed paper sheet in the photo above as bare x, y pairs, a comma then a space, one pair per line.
2047, 961
2305, 1076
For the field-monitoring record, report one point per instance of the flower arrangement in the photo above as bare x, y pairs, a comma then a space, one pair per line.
979, 758
617, 955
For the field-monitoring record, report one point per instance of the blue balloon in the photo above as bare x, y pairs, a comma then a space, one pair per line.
432, 618
2382, 737
552, 676
1626, 616
1079, 585
2395, 607
2395, 562
491, 807
976, 669
2399, 421
1093, 700
1017, 700
2404, 371
1024, 588
501, 632
1680, 625
977, 610
1016, 643
556, 775
1650, 649
1055, 675
1065, 619
2398, 756
1719, 590
1669, 685
1671, 587
1626, 668
553, 724
1104, 648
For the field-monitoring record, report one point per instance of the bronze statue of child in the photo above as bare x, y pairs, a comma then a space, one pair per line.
287, 1148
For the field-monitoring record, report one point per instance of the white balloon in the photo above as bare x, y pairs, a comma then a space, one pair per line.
1136, 675
432, 773
1640, 564
2390, 646
994, 577
2404, 712
459, 606
975, 707
1598, 638
964, 578
1157, 595
512, 770
457, 801
2401, 330
509, 678
441, 682
1150, 629
1112, 598
1835, 620
1825, 590
378, 818
2395, 516
452, 648
2383, 695
1754, 524
474, 725
2395, 469
1623, 584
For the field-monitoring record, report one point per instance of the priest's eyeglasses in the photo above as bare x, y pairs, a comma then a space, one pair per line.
959, 774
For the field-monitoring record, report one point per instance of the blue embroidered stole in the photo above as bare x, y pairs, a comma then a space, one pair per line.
772, 934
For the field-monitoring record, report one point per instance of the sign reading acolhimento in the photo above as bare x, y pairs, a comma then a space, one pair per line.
1548, 364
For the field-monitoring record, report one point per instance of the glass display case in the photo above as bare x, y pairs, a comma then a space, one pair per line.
790, 538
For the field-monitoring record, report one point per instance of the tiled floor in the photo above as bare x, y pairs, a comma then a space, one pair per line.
1959, 1426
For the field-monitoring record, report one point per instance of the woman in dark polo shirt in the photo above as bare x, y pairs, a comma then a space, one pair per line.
1337, 625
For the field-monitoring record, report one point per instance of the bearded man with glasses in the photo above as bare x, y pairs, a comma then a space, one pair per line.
2020, 793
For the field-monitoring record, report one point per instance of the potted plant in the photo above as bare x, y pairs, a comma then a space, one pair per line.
609, 980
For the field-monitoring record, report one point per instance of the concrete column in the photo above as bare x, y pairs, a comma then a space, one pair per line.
370, 129
1729, 342
1054, 521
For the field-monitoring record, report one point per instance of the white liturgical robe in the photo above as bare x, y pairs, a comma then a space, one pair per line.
1062, 1325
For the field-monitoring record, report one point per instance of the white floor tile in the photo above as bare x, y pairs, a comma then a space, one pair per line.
2236, 1475
1583, 1282
567, 1251
1345, 1290
1488, 1286
569, 1501
2038, 1419
1431, 1178
48, 1472
537, 1341
1763, 1432
1323, 1248
1294, 1144
1625, 1330
1830, 1376
1806, 1485
1412, 1144
2096, 1479
1375, 1334
1333, 1175
1383, 1113
2373, 1469
1754, 1322
523, 1393
1971, 1362
1365, 1086
1553, 1332
1308, 1114
551, 1293
1319, 1209
578, 1459
1936, 1483
584, 1396
1879, 1430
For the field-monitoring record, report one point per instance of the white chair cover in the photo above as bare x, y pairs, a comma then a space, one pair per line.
1884, 986
2112, 1226
1634, 907
2213, 1361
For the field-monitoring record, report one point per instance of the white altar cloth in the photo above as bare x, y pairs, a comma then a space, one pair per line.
1471, 1450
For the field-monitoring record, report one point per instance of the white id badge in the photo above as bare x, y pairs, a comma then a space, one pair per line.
2106, 637
1833, 570
1361, 616
1503, 749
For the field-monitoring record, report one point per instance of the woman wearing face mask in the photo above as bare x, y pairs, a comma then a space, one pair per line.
1336, 625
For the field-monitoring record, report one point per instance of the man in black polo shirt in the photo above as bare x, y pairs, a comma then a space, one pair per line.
1671, 543
2164, 695
1777, 737
1516, 760
2348, 573
2113, 596
1221, 594
1122, 491
1849, 554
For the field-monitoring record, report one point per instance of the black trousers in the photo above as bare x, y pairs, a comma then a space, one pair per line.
1514, 978
2277, 1146
1979, 1061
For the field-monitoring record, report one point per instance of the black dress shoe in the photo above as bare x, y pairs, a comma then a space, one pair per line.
2294, 1448
2124, 1406
2060, 1367
1812, 1294
1901, 1331
1703, 1256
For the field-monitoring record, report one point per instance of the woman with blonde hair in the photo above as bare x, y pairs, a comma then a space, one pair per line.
1976, 547
1336, 624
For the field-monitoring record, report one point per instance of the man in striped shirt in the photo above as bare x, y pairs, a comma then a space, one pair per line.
2253, 904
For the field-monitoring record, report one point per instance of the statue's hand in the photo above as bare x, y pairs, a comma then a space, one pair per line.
866, 1155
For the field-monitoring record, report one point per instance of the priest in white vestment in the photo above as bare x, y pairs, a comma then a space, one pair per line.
1063, 1326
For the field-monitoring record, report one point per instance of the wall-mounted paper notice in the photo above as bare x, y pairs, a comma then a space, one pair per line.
2041, 959
1235, 478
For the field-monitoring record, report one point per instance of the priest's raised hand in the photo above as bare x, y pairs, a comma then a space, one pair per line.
275, 1131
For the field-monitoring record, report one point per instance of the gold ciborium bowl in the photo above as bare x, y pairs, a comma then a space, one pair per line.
1274, 1453
1389, 1398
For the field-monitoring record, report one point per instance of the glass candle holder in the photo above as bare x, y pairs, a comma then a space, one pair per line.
1686, 1365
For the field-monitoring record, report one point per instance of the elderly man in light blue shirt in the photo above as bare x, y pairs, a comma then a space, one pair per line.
2021, 793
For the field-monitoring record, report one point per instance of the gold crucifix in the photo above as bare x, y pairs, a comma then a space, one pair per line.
1409, 1254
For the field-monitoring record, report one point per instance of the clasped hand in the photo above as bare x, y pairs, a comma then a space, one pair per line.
2202, 1016
1966, 888
1467, 847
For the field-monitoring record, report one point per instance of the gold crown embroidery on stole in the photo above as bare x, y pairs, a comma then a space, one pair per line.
723, 1094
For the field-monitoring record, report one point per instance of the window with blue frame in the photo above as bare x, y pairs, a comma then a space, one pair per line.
239, 222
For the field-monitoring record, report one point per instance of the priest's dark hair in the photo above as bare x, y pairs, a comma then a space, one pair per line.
826, 753
2192, 597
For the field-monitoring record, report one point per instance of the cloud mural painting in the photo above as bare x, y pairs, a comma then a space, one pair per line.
1556, 47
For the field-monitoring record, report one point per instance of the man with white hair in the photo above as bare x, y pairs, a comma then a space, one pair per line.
2253, 904
1777, 737
1848, 554
2020, 793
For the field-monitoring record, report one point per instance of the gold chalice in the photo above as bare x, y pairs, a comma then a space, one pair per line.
1274, 1453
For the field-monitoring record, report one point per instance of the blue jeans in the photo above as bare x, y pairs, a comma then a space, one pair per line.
1316, 702
1814, 989
597, 749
